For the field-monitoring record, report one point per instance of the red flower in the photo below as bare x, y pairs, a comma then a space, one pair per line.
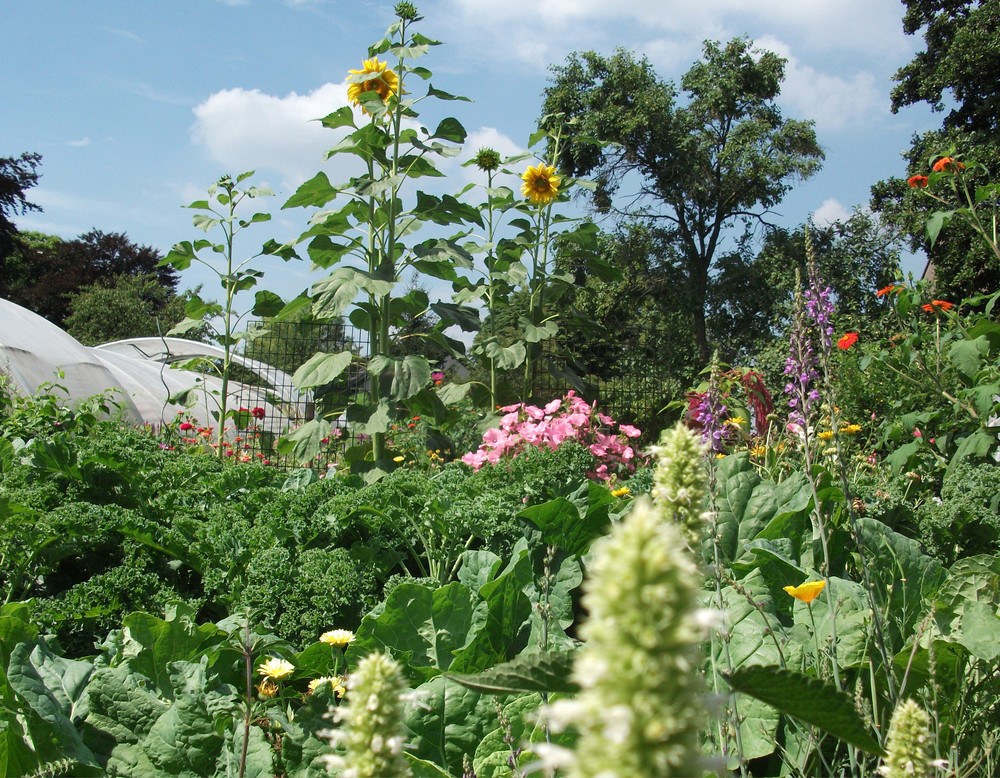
937, 305
888, 290
917, 182
258, 413
947, 164
847, 340
186, 425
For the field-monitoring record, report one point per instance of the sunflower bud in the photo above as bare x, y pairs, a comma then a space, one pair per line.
406, 12
487, 159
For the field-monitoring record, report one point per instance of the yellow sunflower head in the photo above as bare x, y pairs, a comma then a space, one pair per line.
541, 184
378, 79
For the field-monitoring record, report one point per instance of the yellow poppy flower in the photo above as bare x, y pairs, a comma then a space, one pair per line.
807, 592
337, 637
383, 81
541, 184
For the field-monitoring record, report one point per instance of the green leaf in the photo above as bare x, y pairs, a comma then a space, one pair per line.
968, 355
809, 700
563, 526
506, 357
152, 644
421, 768
267, 304
464, 316
968, 605
534, 333
322, 369
441, 95
410, 375
423, 626
303, 443
317, 191
447, 720
546, 673
342, 117
936, 222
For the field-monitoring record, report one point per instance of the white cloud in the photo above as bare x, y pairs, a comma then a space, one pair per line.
249, 130
85, 141
829, 212
834, 102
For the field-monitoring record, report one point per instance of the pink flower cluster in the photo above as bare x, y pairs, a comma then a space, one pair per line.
568, 418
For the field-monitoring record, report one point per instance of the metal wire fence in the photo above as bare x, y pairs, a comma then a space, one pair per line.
637, 397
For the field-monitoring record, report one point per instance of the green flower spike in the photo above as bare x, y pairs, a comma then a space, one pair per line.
373, 720
679, 481
908, 744
639, 709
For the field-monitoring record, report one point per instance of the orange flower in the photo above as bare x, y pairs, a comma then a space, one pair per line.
947, 164
917, 182
806, 592
847, 340
888, 290
937, 305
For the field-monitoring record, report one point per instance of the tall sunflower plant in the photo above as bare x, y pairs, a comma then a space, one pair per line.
358, 236
526, 272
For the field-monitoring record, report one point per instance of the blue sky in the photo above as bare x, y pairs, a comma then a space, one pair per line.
137, 106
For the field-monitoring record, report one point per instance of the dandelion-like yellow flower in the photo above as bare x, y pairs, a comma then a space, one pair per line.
825, 434
339, 638
850, 429
541, 184
267, 689
758, 451
276, 668
336, 683
806, 592
620, 492
383, 81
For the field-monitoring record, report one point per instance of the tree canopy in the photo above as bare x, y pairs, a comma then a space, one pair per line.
17, 176
958, 71
695, 168
44, 272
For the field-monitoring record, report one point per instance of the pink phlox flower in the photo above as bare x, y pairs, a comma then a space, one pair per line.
629, 431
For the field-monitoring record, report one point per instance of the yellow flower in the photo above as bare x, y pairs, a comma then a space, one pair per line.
276, 669
336, 684
620, 492
807, 592
383, 81
735, 421
825, 434
850, 429
337, 637
541, 184
758, 451
267, 688
399, 459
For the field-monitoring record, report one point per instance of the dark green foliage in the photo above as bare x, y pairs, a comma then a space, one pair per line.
966, 520
701, 165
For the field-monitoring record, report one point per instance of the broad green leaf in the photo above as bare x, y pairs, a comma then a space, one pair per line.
441, 95
342, 117
968, 355
421, 768
410, 375
967, 610
317, 191
464, 316
546, 673
494, 753
506, 357
535, 333
737, 480
447, 720
303, 443
267, 304
478, 568
563, 526
49, 722
370, 419
152, 644
809, 700
853, 620
322, 369
422, 626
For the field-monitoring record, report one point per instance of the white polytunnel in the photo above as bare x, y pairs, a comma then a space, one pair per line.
33, 352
